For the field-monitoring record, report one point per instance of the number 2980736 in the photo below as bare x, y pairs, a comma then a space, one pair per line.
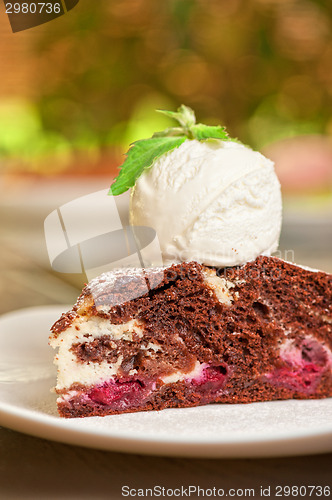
33, 8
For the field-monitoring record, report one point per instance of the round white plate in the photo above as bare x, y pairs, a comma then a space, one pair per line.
27, 404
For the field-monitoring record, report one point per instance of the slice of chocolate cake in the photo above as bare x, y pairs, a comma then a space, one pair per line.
189, 335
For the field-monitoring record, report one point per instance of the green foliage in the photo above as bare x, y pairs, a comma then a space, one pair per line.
98, 64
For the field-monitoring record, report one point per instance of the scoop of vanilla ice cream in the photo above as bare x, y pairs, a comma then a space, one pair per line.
215, 202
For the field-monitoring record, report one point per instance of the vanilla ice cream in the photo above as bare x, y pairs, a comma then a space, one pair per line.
215, 202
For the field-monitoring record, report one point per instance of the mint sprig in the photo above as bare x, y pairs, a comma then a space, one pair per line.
143, 153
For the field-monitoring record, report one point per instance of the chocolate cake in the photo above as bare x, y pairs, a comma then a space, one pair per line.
188, 335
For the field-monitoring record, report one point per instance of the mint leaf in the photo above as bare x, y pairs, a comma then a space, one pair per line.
202, 132
184, 115
170, 132
140, 156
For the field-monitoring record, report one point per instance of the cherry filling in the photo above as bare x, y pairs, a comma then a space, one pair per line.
133, 393
210, 382
120, 394
304, 366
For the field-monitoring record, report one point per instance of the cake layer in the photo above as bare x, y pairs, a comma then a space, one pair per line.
189, 335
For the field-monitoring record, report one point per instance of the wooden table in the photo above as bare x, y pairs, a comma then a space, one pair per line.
32, 468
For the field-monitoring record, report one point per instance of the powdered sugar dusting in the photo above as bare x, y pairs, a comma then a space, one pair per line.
97, 285
121, 285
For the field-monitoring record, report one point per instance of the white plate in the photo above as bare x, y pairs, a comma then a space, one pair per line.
260, 429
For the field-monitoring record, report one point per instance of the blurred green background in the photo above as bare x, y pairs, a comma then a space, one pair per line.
75, 92
94, 77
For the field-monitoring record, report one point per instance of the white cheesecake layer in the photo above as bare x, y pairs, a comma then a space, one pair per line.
70, 371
